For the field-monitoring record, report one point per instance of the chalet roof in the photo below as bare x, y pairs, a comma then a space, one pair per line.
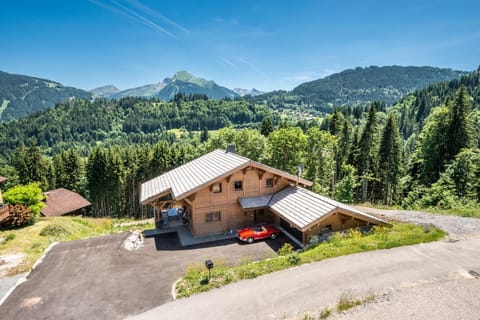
200, 172
255, 202
62, 201
3, 179
302, 207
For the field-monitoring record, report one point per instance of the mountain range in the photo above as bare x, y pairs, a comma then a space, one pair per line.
22, 95
360, 85
181, 82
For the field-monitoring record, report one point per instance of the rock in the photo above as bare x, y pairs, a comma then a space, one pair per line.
134, 241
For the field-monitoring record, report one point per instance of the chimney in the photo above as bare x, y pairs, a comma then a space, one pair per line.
231, 148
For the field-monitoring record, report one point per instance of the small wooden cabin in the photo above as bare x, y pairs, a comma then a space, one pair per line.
60, 202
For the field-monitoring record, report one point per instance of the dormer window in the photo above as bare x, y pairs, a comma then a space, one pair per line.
269, 183
217, 188
238, 185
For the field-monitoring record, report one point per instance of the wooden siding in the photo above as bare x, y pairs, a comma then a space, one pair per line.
232, 215
338, 221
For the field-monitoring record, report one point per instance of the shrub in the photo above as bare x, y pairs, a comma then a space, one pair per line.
325, 313
285, 250
294, 259
346, 302
10, 237
54, 230
29, 195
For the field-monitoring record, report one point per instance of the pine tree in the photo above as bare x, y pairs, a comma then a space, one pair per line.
73, 170
20, 163
336, 123
30, 165
459, 131
267, 126
390, 160
366, 155
344, 148
204, 135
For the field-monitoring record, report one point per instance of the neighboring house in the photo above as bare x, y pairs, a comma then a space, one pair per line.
223, 191
3, 208
62, 201
2, 180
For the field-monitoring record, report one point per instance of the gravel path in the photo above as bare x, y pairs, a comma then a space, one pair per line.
457, 227
440, 300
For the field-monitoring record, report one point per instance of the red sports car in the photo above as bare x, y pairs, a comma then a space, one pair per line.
258, 231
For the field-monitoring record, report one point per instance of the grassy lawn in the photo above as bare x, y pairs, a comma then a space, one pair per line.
33, 240
401, 234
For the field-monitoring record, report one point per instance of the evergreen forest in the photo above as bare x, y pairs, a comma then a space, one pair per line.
422, 152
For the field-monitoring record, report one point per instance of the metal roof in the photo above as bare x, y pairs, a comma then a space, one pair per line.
187, 178
62, 201
193, 174
302, 207
255, 202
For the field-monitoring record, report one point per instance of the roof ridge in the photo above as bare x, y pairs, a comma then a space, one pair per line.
319, 196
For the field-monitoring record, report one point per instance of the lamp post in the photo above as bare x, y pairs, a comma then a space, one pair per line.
209, 265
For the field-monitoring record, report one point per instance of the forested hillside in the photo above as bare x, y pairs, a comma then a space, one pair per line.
414, 109
358, 86
105, 149
83, 124
22, 95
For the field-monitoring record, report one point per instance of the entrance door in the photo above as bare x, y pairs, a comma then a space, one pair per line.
259, 216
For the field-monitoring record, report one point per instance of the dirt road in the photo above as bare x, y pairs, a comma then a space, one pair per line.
457, 227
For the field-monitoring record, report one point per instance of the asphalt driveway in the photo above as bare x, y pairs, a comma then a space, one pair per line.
98, 279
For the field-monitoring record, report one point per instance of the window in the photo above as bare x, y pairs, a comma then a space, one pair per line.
212, 216
269, 183
238, 185
217, 188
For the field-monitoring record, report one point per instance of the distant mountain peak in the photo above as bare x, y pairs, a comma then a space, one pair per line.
181, 82
185, 76
104, 90
246, 92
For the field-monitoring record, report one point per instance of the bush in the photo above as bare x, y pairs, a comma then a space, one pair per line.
10, 237
29, 195
285, 250
54, 230
294, 259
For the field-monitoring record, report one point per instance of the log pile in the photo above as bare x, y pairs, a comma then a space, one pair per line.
18, 215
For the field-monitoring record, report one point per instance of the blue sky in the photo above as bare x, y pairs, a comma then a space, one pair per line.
263, 44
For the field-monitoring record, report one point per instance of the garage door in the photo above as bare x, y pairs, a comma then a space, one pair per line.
293, 231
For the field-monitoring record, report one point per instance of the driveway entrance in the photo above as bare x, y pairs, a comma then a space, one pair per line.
98, 279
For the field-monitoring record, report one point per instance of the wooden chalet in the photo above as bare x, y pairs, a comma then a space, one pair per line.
223, 191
